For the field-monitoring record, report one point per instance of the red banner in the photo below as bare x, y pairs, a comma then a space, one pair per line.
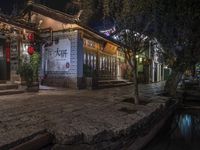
8, 53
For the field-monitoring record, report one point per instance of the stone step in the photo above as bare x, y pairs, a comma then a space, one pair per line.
101, 86
111, 81
2, 81
8, 86
11, 92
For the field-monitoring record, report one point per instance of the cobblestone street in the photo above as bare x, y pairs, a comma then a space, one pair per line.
65, 113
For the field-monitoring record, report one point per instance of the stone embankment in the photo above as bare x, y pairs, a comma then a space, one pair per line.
130, 130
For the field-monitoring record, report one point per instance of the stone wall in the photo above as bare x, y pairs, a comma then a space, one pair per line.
72, 77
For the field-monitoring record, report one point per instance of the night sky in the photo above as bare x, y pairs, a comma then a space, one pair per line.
7, 5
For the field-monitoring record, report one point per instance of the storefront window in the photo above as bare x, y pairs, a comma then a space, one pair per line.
89, 63
107, 68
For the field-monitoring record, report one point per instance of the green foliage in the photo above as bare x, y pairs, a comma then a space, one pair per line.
89, 9
174, 23
28, 70
178, 30
35, 63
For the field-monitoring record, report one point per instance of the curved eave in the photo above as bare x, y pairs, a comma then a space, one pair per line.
52, 13
102, 36
65, 18
14, 23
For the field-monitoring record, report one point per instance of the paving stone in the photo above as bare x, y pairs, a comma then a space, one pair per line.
75, 116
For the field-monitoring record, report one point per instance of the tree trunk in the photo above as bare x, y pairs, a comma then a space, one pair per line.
135, 85
172, 83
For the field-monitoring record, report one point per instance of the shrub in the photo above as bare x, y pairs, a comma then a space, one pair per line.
28, 70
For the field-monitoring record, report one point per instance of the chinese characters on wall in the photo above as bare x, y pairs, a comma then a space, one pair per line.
58, 56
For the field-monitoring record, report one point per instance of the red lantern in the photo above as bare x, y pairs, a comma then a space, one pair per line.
31, 37
31, 50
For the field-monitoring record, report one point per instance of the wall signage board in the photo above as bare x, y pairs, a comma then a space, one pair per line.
91, 44
109, 48
58, 56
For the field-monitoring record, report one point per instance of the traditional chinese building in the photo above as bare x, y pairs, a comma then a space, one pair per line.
150, 64
73, 55
13, 47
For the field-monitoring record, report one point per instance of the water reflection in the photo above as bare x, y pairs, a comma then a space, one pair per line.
185, 125
181, 132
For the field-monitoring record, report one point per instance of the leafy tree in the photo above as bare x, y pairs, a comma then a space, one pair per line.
174, 23
131, 27
178, 30
133, 22
137, 43
90, 11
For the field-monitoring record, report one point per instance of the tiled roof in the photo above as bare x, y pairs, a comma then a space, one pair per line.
9, 20
66, 18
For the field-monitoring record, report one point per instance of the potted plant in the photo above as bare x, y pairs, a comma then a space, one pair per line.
28, 71
35, 63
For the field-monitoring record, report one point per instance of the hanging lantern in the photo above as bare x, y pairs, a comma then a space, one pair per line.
31, 37
31, 50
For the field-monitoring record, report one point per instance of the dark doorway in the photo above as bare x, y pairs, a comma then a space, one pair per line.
4, 70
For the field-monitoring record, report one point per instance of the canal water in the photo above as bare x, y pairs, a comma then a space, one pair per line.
181, 132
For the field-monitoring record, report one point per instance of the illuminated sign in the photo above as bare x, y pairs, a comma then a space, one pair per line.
59, 56
91, 44
111, 49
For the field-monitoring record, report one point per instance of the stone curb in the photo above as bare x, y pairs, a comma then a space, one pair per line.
36, 143
140, 142
11, 92
33, 142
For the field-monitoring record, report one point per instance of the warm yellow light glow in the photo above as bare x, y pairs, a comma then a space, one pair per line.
24, 31
136, 56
